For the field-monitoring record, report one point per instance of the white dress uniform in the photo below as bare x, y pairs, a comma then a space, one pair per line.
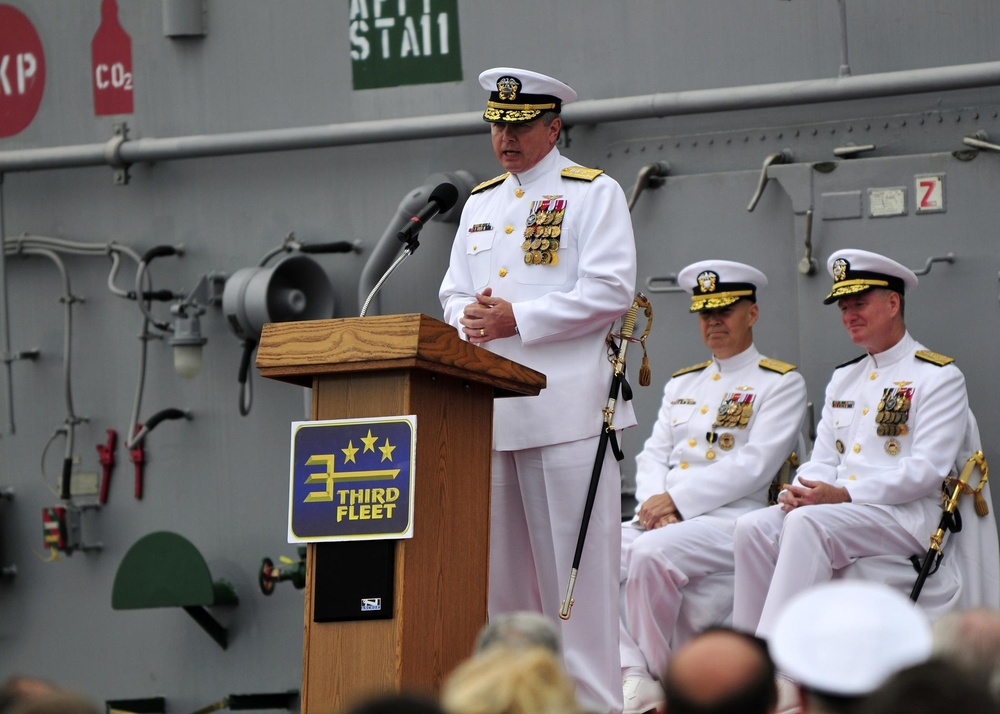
890, 432
723, 431
544, 446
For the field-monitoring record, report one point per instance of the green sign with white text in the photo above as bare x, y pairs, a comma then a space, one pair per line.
402, 42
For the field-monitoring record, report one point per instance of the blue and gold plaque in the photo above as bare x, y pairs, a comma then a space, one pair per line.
352, 479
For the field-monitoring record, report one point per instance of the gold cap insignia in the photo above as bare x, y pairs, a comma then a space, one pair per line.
507, 88
707, 281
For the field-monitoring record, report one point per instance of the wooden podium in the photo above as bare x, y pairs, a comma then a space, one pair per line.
391, 366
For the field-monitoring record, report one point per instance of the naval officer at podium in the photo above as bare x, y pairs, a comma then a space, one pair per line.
542, 266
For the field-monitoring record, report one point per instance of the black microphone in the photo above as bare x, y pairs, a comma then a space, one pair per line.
442, 198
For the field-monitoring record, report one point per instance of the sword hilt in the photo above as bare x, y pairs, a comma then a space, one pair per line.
960, 485
626, 334
628, 322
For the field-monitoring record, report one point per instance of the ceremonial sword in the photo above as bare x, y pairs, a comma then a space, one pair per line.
617, 359
951, 519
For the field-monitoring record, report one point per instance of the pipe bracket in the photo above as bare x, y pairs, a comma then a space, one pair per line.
113, 155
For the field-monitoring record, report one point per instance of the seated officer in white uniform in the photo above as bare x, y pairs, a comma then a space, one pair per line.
724, 429
892, 424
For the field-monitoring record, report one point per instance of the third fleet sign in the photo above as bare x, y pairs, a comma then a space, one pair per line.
399, 42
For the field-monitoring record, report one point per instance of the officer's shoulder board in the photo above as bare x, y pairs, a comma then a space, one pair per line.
692, 368
581, 172
933, 357
849, 362
776, 365
491, 182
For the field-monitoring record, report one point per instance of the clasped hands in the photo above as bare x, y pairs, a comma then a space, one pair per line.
488, 318
658, 511
810, 493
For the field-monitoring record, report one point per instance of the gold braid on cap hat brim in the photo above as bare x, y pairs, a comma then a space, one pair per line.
497, 111
522, 107
716, 300
850, 287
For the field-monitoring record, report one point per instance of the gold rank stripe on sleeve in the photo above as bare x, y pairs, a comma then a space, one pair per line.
934, 357
692, 368
490, 183
776, 365
581, 172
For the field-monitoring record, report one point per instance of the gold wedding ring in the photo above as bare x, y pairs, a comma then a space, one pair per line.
482, 332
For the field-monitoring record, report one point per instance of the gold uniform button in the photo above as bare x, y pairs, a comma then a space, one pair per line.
852, 477
519, 193
873, 376
857, 448
704, 410
684, 464
864, 411
503, 272
716, 376
692, 442
508, 230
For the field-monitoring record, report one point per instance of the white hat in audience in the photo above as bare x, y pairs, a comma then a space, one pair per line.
846, 637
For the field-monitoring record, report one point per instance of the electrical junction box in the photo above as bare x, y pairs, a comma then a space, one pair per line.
85, 483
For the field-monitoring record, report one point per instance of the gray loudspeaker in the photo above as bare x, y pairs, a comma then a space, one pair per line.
296, 288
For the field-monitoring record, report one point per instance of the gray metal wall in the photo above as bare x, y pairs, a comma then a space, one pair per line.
221, 479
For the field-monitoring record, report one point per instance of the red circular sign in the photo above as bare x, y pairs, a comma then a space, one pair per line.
22, 71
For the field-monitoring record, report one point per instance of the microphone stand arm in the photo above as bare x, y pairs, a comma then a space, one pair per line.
407, 252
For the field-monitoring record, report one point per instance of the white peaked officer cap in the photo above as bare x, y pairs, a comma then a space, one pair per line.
855, 271
847, 637
718, 283
520, 95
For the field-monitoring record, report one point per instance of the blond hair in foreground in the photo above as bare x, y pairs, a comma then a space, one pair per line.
504, 680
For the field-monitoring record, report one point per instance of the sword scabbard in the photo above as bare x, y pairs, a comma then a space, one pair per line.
567, 603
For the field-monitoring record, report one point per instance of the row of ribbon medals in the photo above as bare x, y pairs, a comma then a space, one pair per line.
893, 411
541, 236
734, 413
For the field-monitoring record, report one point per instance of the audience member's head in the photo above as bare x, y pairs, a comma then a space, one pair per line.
931, 687
971, 639
397, 703
839, 641
520, 629
17, 687
721, 671
506, 680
